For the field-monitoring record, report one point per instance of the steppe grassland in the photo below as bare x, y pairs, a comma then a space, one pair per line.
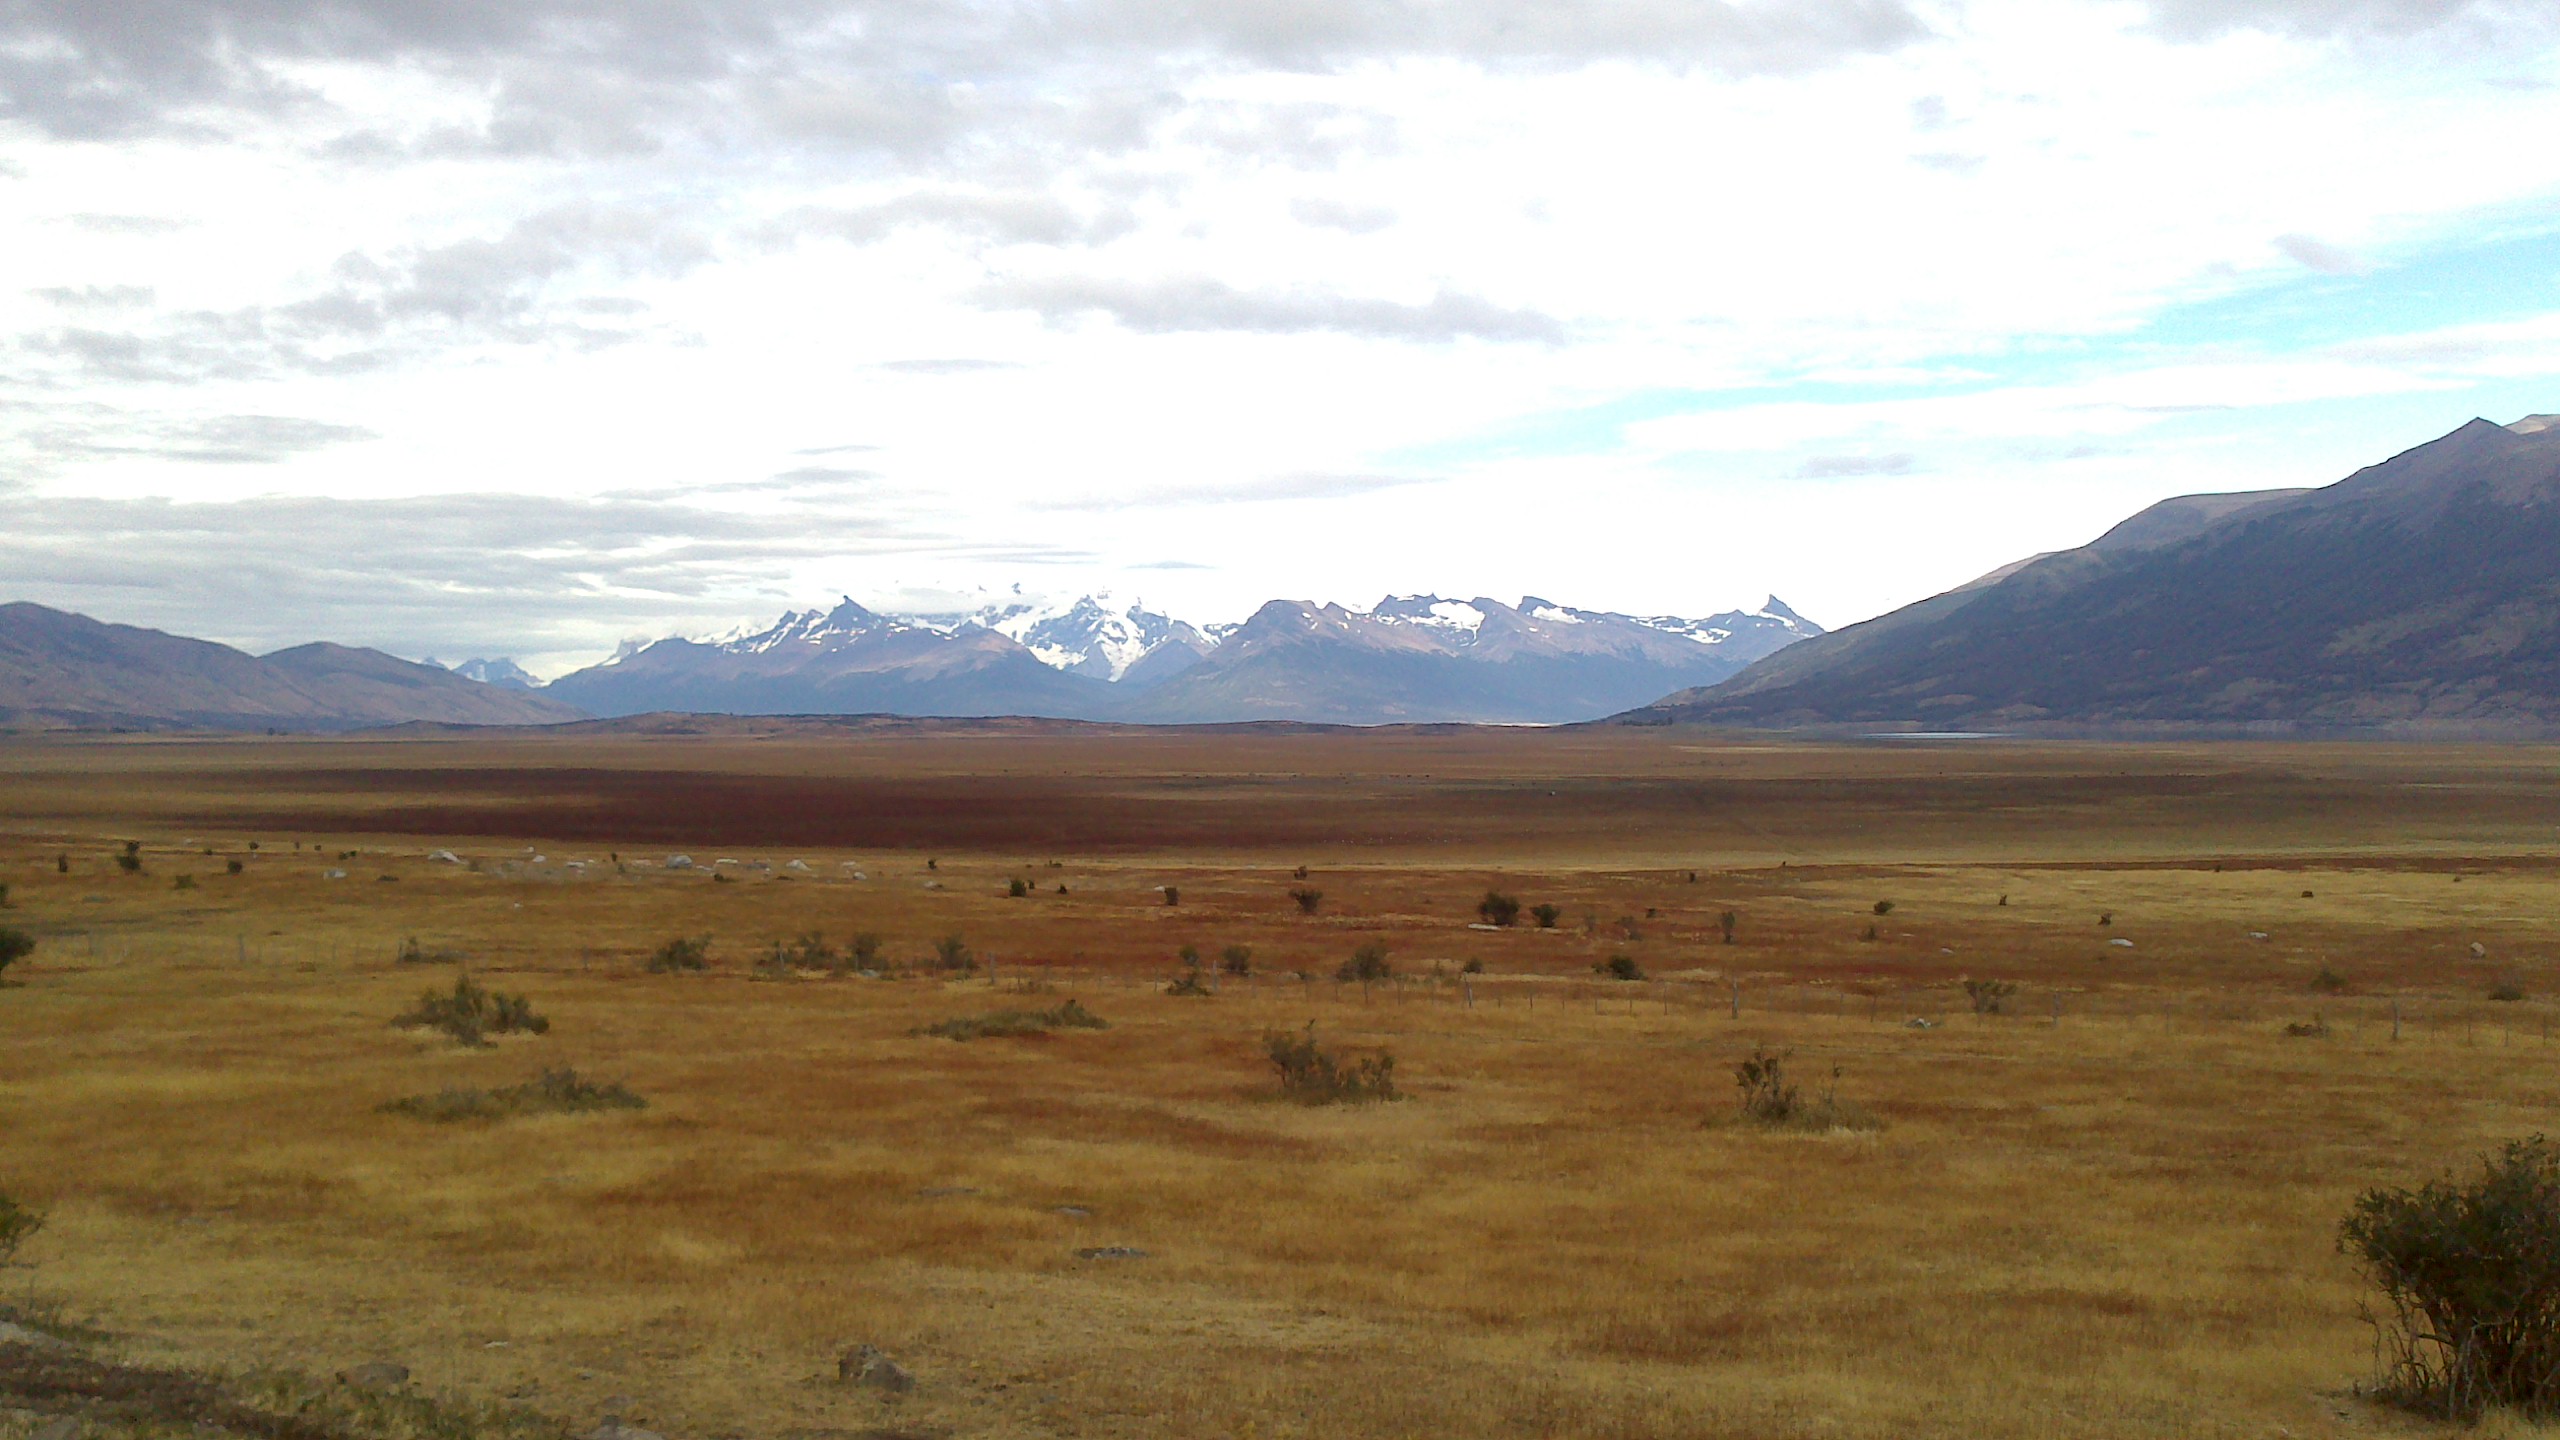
2108, 1211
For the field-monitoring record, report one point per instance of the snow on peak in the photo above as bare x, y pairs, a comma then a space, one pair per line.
1431, 610
1091, 635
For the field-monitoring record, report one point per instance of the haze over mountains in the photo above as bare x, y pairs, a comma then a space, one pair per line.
1409, 659
2421, 593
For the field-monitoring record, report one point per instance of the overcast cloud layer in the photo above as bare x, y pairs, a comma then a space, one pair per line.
525, 326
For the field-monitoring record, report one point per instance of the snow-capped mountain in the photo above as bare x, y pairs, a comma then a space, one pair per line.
1093, 635
503, 672
1409, 658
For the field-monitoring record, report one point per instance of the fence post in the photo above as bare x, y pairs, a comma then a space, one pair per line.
1737, 999
2395, 1022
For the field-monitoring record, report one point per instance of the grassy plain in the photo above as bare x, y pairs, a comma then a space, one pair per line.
2108, 1211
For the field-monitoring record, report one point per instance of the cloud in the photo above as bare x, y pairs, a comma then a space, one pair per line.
1341, 215
95, 297
1838, 467
1203, 304
1018, 217
2195, 19
1246, 492
2316, 255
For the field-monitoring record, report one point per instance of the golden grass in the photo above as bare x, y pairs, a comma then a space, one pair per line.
2109, 1211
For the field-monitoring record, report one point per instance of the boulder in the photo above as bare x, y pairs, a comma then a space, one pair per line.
864, 1365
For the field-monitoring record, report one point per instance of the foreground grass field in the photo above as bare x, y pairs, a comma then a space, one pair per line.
2249, 982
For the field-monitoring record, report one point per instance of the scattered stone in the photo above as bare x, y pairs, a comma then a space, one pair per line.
864, 1365
679, 862
2479, 951
2121, 943
377, 1375
796, 865
2257, 934
1918, 1023
1111, 1252
333, 874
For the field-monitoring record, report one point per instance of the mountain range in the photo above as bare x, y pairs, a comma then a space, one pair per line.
2418, 595
1408, 659
65, 671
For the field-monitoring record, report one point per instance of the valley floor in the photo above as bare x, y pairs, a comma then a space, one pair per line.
2106, 1208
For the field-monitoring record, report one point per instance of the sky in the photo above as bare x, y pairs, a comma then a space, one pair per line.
526, 327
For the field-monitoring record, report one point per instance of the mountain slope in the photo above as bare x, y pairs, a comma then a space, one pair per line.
1424, 658
61, 669
845, 661
2423, 590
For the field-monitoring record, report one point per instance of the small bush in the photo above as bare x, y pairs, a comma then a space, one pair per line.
553, 1092
2470, 1280
1989, 997
1884, 907
1018, 888
471, 1014
685, 952
2314, 1028
787, 957
1368, 965
232, 866
1189, 982
61, 864
2328, 982
1726, 922
1311, 1077
1497, 908
1620, 967
183, 882
413, 953
1546, 915
1299, 873
4, 894
1308, 899
1770, 1100
15, 945
130, 861
863, 951
1472, 967
952, 953
999, 1024
2506, 992
18, 1225
1236, 960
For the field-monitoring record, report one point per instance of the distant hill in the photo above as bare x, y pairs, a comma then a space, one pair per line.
60, 670
2419, 594
1411, 659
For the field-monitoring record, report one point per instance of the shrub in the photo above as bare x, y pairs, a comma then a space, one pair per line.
231, 866
1884, 907
2328, 982
810, 952
2506, 991
1497, 908
1300, 873
863, 952
1368, 965
15, 945
1311, 1077
553, 1092
1236, 960
1189, 982
4, 894
685, 952
1308, 899
130, 862
952, 953
1770, 1100
2470, 1280
998, 1024
1989, 997
1620, 967
2314, 1028
1726, 922
413, 953
184, 882
471, 1014
61, 864
18, 1225
1018, 888
1546, 915
1472, 967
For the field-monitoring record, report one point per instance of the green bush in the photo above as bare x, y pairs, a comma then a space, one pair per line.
130, 862
1173, 894
1368, 965
1989, 997
15, 945
1497, 908
1018, 888
998, 1024
553, 1092
786, 957
471, 1014
951, 953
1311, 1077
1546, 915
1884, 907
18, 1225
1726, 922
685, 952
1308, 899
2506, 992
863, 952
2328, 982
1620, 967
1236, 960
2470, 1278
1189, 982
232, 866
1772, 1101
